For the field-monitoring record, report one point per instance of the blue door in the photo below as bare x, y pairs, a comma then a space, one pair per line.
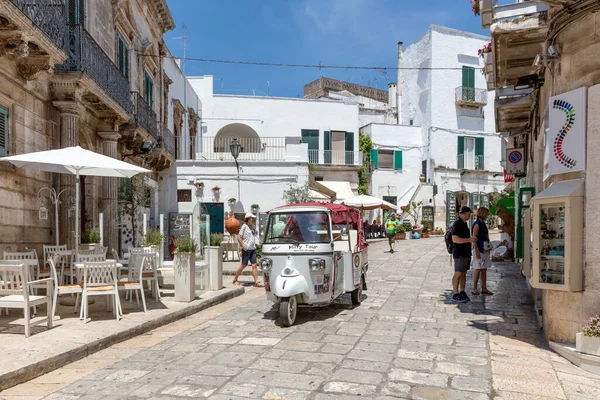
217, 214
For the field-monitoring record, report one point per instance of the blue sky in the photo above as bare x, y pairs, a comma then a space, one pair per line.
335, 32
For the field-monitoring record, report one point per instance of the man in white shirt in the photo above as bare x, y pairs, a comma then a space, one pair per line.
248, 238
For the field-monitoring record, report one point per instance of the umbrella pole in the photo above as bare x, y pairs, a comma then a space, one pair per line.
76, 215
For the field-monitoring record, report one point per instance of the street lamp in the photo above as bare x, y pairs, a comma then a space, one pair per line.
235, 149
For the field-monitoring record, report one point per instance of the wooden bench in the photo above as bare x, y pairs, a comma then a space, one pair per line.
15, 289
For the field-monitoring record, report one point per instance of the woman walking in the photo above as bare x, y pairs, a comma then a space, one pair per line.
248, 239
482, 247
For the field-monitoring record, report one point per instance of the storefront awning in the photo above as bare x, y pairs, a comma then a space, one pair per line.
341, 188
560, 189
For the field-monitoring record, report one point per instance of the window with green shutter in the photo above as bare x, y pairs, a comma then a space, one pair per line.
479, 154
311, 137
460, 152
349, 148
75, 11
3, 131
148, 89
374, 158
327, 146
122, 55
468, 83
397, 159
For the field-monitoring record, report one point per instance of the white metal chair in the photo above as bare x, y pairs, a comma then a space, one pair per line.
65, 266
124, 273
15, 288
150, 272
135, 282
100, 250
100, 279
59, 288
83, 258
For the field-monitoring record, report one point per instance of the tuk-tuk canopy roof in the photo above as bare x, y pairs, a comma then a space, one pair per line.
339, 212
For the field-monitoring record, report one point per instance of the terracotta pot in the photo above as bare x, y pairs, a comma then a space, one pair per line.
232, 226
401, 236
424, 235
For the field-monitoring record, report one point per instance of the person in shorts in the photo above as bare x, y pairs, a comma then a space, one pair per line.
248, 238
391, 228
483, 259
461, 254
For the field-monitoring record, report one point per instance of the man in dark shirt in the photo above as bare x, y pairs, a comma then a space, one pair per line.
461, 253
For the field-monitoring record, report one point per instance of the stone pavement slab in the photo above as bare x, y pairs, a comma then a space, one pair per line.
406, 340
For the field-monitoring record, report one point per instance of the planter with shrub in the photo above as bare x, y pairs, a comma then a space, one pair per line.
185, 269
588, 340
90, 239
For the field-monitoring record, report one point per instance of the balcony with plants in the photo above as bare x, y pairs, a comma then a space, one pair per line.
33, 34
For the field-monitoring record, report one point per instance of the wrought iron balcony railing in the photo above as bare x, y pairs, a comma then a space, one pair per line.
48, 15
144, 115
468, 96
167, 139
87, 56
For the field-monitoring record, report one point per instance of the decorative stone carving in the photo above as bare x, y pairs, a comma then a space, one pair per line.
30, 68
193, 121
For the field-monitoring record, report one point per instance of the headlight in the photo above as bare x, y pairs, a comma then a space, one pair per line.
266, 264
316, 264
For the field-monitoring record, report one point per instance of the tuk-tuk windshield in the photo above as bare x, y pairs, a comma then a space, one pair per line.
298, 227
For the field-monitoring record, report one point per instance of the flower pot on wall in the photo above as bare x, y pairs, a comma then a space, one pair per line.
587, 344
185, 273
215, 259
87, 246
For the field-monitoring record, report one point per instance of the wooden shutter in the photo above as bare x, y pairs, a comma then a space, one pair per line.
148, 89
122, 55
468, 77
3, 131
397, 159
460, 152
349, 147
374, 158
327, 146
479, 153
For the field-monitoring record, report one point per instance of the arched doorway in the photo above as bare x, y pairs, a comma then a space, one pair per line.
249, 140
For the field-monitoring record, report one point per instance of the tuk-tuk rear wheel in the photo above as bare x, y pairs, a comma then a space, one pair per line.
357, 293
288, 309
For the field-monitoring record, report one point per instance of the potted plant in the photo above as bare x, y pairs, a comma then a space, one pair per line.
90, 238
153, 239
401, 235
185, 269
425, 230
475, 6
215, 259
199, 184
588, 341
254, 208
231, 201
216, 189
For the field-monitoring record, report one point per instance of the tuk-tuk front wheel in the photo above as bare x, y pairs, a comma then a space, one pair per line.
357, 293
288, 309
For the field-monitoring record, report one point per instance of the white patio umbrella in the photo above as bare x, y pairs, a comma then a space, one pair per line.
364, 202
75, 161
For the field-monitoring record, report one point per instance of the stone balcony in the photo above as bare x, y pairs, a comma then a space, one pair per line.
32, 33
518, 33
90, 74
470, 97
512, 109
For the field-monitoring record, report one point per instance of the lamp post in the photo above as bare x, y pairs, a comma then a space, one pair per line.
54, 199
235, 149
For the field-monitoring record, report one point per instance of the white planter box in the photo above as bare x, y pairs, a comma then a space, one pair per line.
488, 58
215, 259
185, 277
587, 345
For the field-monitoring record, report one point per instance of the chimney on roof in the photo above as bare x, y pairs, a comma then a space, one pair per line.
399, 85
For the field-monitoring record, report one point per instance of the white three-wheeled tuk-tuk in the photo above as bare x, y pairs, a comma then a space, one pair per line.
312, 253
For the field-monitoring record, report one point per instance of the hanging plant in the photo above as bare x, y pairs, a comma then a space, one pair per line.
216, 189
232, 200
255, 206
485, 49
475, 6
199, 184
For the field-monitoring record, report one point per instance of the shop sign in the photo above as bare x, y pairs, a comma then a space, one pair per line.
565, 141
515, 162
508, 177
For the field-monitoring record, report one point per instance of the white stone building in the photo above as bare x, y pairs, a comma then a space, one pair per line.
447, 117
279, 137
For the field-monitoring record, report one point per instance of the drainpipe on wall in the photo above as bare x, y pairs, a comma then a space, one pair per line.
399, 85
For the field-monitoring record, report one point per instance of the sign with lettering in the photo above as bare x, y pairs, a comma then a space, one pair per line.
427, 213
565, 143
508, 177
450, 207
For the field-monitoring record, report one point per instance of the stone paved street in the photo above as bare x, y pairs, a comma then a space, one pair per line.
406, 340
